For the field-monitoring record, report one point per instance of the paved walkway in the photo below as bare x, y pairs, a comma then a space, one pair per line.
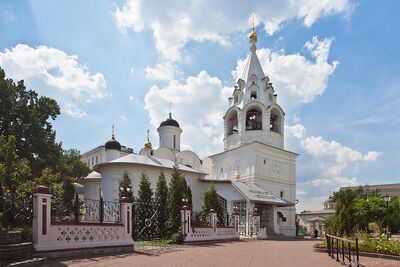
238, 253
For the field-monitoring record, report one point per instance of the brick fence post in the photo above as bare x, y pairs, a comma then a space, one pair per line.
41, 216
126, 217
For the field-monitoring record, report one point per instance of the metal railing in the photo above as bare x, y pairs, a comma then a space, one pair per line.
339, 247
200, 219
92, 211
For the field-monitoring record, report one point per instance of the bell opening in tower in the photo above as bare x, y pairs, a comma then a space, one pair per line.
233, 123
253, 120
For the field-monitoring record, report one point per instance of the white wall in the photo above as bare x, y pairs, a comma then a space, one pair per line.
112, 175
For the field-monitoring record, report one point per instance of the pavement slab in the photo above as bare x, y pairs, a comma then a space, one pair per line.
269, 253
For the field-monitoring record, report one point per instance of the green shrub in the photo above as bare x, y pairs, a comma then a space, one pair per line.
176, 238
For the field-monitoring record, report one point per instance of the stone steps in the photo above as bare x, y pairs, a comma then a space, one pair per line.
14, 252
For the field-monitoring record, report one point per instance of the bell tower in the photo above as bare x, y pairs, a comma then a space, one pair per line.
253, 115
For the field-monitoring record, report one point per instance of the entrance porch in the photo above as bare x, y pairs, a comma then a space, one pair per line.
256, 204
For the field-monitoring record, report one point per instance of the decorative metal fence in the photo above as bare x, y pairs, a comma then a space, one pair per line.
200, 219
225, 221
91, 211
147, 222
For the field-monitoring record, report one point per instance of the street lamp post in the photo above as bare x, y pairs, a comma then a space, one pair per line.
128, 189
387, 199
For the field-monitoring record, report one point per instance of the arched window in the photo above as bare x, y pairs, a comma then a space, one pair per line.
233, 123
275, 121
253, 95
174, 141
280, 217
253, 119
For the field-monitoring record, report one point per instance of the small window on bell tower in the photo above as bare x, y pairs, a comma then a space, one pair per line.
253, 95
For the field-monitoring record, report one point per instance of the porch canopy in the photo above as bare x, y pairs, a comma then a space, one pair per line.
254, 193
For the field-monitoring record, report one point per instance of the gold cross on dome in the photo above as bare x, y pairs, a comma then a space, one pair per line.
252, 21
148, 132
170, 110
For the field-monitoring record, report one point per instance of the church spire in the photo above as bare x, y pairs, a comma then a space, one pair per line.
253, 65
113, 133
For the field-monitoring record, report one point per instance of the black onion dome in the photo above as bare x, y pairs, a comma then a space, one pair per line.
113, 144
170, 122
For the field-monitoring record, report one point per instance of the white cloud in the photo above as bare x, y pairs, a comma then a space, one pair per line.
335, 181
162, 71
296, 79
334, 157
325, 165
53, 73
198, 105
175, 23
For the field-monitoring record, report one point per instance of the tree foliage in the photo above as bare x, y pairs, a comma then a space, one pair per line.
126, 184
30, 156
160, 199
176, 192
144, 208
211, 200
357, 209
26, 116
14, 171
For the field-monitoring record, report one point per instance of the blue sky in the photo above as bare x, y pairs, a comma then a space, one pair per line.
335, 66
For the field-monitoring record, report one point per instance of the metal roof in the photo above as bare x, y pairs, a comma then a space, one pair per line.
145, 160
253, 192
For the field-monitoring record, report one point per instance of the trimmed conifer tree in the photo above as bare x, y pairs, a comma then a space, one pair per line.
160, 199
125, 187
176, 192
144, 210
211, 200
189, 197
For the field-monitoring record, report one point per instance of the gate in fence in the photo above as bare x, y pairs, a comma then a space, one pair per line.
149, 221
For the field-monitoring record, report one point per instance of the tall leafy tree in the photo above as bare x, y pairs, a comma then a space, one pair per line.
126, 186
160, 199
14, 171
70, 165
27, 116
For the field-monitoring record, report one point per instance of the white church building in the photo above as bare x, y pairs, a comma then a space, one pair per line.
254, 172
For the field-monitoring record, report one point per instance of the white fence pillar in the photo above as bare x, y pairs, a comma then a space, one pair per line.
213, 220
41, 215
186, 220
126, 217
235, 218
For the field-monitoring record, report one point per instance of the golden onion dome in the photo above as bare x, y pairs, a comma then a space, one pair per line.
253, 36
148, 144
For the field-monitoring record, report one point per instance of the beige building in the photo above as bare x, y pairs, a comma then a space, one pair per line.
392, 190
315, 220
